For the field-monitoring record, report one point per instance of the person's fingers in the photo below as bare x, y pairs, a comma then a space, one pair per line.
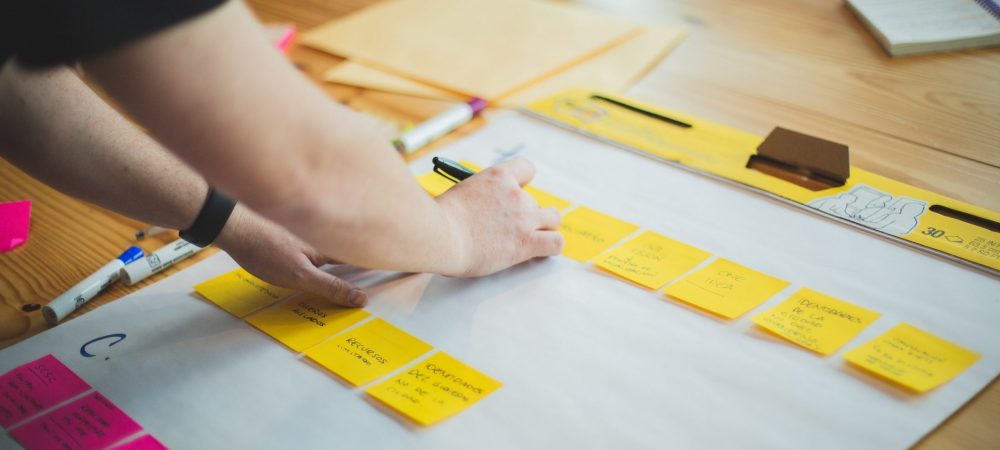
318, 260
549, 219
332, 288
522, 170
546, 243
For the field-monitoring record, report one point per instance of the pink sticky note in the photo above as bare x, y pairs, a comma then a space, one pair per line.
90, 422
285, 42
36, 386
14, 220
144, 442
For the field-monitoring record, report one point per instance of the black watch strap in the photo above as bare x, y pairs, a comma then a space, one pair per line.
210, 220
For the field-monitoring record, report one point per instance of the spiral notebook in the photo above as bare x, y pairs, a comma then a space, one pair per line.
906, 27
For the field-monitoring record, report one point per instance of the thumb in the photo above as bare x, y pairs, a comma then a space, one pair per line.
332, 288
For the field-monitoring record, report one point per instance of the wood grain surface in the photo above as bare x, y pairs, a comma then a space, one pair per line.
932, 121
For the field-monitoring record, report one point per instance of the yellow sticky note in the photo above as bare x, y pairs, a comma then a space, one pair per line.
816, 321
436, 184
434, 389
726, 288
912, 357
546, 199
589, 232
367, 352
651, 259
240, 293
305, 321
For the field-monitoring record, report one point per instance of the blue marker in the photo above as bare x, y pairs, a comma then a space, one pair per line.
87, 289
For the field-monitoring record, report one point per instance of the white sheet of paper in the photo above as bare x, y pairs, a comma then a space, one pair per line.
587, 361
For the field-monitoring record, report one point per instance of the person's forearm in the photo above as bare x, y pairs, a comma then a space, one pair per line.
214, 91
53, 126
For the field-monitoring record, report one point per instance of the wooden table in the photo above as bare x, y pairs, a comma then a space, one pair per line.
931, 121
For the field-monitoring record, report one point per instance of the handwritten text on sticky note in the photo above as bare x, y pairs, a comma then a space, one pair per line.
816, 321
651, 259
912, 357
726, 288
589, 232
369, 351
434, 389
90, 422
240, 293
35, 386
305, 321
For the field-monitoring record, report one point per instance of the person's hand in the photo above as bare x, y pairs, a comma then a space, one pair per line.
495, 223
274, 255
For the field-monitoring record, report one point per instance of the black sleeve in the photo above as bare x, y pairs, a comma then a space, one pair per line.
47, 32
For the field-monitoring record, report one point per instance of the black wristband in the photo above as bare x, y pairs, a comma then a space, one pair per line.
210, 220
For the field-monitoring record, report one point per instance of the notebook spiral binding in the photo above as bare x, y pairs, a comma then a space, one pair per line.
991, 7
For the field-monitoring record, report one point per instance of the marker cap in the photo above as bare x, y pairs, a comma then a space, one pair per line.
156, 261
477, 104
130, 254
136, 272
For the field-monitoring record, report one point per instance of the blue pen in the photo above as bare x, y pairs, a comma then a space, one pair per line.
87, 289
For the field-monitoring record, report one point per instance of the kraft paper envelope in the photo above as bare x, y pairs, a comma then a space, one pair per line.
479, 48
614, 69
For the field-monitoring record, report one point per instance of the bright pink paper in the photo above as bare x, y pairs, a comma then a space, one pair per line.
285, 42
144, 442
15, 217
36, 386
91, 422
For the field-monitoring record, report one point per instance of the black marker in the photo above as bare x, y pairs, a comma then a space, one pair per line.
451, 169
639, 110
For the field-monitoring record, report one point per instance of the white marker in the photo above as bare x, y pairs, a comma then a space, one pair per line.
438, 126
87, 289
160, 259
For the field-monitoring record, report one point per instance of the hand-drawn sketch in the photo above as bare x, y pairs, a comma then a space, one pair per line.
873, 209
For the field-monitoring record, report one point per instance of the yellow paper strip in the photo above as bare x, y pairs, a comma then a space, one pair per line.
651, 259
912, 357
726, 288
816, 321
367, 352
434, 389
589, 232
305, 321
898, 210
240, 293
